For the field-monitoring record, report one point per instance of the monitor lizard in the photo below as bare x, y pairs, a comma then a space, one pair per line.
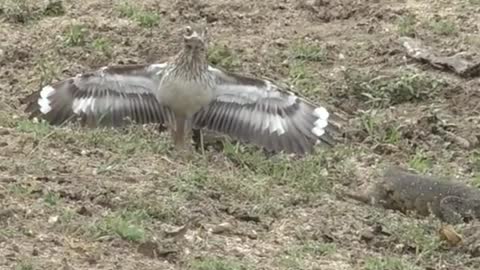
401, 190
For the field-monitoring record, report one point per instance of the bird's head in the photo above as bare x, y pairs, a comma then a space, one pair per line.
195, 38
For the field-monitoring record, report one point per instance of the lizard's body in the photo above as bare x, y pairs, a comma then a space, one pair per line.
401, 190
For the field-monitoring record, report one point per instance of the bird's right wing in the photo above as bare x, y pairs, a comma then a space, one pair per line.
109, 96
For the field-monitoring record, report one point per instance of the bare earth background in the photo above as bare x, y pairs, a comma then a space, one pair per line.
72, 198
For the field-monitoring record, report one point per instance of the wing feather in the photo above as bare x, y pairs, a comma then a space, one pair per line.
109, 96
264, 113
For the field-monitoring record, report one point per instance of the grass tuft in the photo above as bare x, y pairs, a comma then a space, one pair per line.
444, 27
54, 8
19, 11
128, 225
222, 56
103, 46
75, 35
387, 263
406, 25
382, 91
421, 162
305, 52
24, 265
144, 18
211, 263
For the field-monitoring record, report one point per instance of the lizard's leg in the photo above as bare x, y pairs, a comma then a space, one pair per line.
454, 210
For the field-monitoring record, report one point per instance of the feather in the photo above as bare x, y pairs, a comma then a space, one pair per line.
109, 96
261, 112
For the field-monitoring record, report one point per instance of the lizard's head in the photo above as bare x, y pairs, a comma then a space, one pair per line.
195, 38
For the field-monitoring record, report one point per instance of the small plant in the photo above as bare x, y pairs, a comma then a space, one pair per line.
75, 35
19, 11
306, 52
387, 263
126, 10
420, 162
102, 45
47, 69
24, 266
301, 77
52, 198
216, 264
380, 130
406, 25
147, 19
221, 55
388, 90
38, 130
127, 225
54, 8
445, 27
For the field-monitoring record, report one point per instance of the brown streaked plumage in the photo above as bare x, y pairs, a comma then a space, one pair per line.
187, 93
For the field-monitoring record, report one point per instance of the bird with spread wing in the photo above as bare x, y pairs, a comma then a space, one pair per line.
183, 94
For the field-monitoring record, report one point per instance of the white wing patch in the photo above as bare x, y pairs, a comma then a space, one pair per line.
274, 123
43, 101
322, 122
83, 105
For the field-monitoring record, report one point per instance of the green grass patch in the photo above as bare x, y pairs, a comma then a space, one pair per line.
103, 45
307, 52
75, 35
221, 55
301, 77
19, 11
128, 225
406, 25
52, 198
388, 263
420, 162
296, 256
144, 18
380, 91
379, 129
24, 265
444, 27
211, 263
54, 8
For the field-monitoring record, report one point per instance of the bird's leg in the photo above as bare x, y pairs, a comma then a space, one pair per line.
198, 140
179, 133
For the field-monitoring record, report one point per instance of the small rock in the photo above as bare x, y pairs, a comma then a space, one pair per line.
252, 234
53, 219
4, 132
84, 211
149, 249
281, 42
367, 235
15, 248
177, 232
222, 228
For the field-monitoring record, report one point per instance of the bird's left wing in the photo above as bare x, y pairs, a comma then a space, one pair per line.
261, 112
109, 96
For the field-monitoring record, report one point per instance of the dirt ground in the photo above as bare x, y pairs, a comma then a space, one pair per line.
72, 198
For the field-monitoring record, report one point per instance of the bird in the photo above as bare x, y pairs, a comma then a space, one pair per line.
187, 93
